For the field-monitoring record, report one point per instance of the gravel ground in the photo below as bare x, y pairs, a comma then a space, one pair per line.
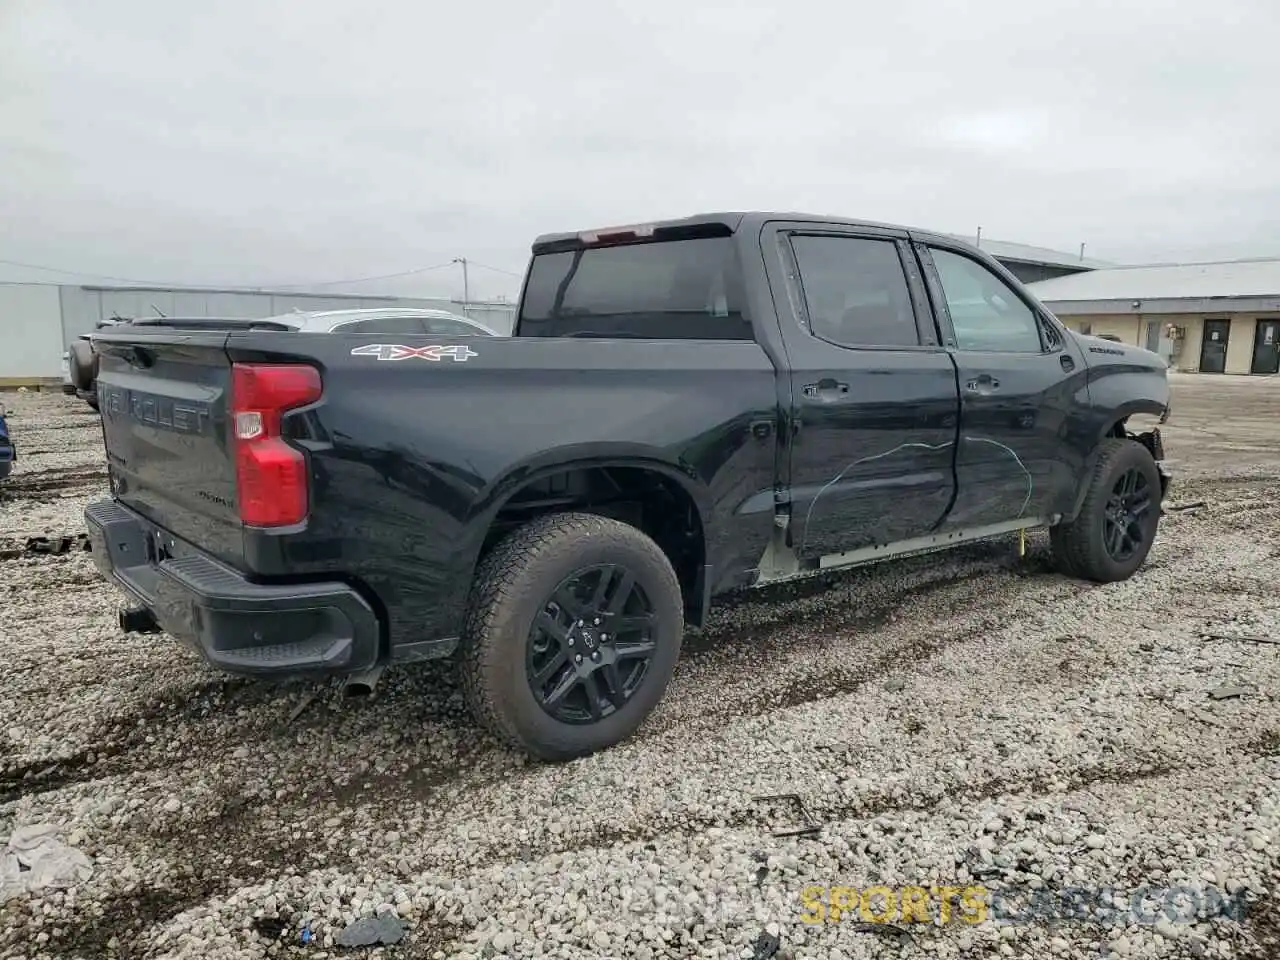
951, 721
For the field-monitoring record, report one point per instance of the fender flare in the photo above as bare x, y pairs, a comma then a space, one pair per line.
1119, 414
582, 456
491, 501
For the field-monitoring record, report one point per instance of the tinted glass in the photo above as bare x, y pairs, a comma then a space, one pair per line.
669, 290
855, 291
450, 328
985, 312
383, 325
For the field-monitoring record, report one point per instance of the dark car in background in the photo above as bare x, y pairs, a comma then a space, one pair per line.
8, 453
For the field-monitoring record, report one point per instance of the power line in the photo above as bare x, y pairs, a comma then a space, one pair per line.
77, 273
278, 286
509, 273
384, 276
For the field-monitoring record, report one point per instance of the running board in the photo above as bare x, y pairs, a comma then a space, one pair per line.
780, 562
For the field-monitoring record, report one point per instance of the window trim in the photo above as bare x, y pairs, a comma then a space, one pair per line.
937, 294
926, 335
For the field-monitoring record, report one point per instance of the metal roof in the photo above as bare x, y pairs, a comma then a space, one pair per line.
14, 278
1026, 253
1167, 281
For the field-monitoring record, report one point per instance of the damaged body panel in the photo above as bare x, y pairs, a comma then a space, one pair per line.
747, 397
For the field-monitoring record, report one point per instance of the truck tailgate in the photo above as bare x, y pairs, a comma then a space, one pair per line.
164, 401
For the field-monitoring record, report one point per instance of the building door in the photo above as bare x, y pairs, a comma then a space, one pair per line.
1213, 351
1153, 336
1266, 347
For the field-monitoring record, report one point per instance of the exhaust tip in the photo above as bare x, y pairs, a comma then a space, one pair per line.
362, 684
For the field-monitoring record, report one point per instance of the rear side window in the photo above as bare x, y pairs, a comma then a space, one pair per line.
411, 325
667, 290
449, 328
855, 291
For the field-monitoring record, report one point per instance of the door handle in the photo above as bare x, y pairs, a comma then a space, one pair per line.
1067, 363
825, 389
984, 383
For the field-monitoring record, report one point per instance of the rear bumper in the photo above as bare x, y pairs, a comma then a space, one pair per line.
240, 627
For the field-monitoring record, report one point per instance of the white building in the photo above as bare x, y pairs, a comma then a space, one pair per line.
1217, 317
38, 320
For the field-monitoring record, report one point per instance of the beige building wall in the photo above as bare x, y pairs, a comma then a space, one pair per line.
1132, 329
1129, 329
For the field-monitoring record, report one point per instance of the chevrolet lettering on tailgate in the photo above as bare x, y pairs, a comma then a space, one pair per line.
180, 416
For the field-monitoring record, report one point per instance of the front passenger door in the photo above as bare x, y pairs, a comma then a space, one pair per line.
1023, 395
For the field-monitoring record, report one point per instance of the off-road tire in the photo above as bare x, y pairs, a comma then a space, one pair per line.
1078, 547
513, 584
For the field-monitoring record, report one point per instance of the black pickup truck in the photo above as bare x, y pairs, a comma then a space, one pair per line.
686, 408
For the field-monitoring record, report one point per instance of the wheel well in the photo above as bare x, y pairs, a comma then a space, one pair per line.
1120, 431
645, 498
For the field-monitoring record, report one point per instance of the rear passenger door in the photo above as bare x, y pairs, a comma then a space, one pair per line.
1023, 394
873, 401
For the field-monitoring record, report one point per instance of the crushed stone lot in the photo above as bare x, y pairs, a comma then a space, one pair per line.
954, 721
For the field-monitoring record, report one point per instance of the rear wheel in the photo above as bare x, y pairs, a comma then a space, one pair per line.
1116, 527
574, 629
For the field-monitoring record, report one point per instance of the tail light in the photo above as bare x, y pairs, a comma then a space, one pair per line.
271, 475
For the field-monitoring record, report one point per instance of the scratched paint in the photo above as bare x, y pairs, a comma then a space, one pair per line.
804, 536
1023, 466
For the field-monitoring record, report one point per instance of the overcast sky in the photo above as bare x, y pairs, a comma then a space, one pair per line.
269, 142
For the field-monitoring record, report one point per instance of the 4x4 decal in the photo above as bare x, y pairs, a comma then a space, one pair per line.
396, 351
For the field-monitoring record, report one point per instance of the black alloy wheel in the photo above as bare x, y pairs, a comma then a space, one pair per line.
1127, 506
591, 645
573, 630
1116, 523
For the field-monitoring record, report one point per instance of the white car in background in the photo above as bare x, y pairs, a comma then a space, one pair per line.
80, 363
409, 320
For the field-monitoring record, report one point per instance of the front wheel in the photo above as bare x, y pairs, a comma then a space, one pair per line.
1113, 533
573, 631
